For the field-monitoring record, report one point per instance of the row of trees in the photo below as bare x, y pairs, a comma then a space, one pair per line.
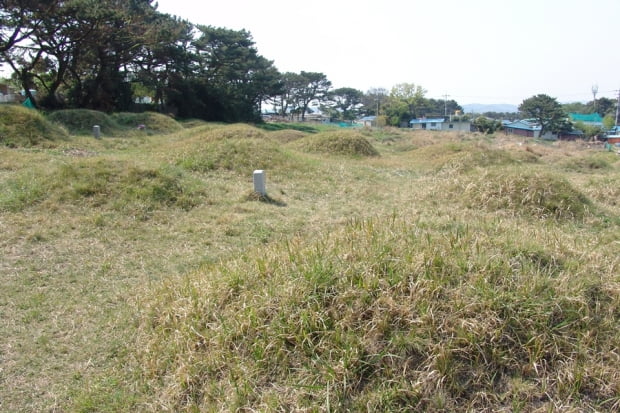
103, 54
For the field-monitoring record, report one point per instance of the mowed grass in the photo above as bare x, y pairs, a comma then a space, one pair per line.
449, 273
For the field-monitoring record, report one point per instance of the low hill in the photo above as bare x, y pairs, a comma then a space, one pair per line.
24, 127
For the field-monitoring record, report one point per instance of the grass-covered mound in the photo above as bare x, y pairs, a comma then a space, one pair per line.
151, 122
81, 121
23, 127
338, 142
287, 135
117, 185
590, 162
236, 154
235, 131
389, 315
462, 156
512, 191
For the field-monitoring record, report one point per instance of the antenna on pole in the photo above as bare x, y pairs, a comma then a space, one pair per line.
594, 92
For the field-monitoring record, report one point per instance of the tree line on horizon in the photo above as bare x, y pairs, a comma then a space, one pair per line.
107, 54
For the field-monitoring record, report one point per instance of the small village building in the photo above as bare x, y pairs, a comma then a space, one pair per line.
526, 127
442, 124
592, 119
368, 121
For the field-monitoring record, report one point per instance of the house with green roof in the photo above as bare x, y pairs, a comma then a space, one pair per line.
593, 119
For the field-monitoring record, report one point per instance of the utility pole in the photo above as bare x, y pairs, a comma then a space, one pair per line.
617, 107
445, 104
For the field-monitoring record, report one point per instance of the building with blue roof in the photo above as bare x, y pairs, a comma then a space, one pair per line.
445, 124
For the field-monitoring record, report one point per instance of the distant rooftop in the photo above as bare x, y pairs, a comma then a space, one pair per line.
586, 117
427, 120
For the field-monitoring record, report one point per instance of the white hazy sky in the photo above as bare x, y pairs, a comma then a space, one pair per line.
475, 51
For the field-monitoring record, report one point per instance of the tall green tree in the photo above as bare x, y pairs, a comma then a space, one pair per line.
411, 95
374, 100
546, 111
229, 77
344, 103
314, 86
286, 102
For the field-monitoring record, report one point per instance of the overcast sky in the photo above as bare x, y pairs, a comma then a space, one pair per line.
475, 51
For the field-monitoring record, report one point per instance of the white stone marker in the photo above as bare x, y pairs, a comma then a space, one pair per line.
97, 131
259, 182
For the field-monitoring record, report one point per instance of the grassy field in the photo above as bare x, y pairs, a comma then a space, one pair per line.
386, 270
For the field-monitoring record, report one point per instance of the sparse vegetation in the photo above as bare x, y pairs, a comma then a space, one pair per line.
451, 273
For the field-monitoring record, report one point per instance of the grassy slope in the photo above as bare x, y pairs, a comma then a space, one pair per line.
371, 282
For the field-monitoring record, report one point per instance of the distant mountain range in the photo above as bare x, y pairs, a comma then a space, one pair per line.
482, 108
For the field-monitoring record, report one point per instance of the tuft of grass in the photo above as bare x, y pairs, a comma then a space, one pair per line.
81, 121
514, 191
340, 142
22, 127
153, 122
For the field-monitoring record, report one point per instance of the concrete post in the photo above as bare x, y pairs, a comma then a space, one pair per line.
259, 182
97, 131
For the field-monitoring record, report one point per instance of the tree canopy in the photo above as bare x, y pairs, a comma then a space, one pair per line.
110, 54
102, 54
546, 111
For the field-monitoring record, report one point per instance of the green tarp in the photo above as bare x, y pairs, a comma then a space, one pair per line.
28, 103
